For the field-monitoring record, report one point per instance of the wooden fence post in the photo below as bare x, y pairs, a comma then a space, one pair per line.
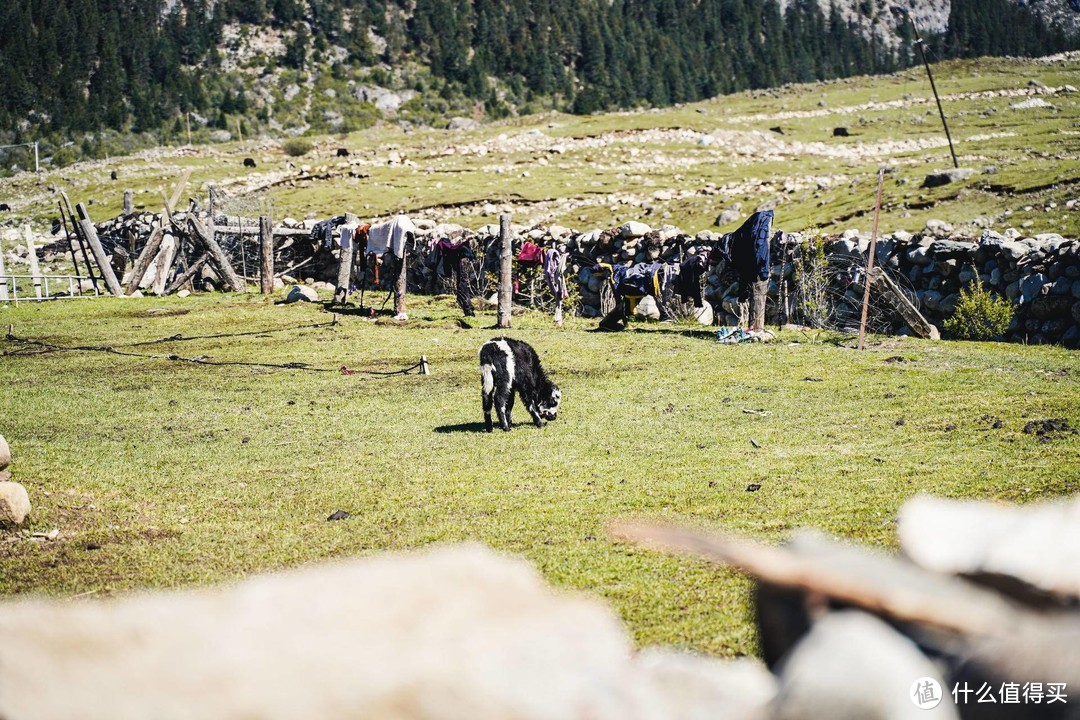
35, 271
129, 202
104, 266
266, 254
345, 264
3, 280
506, 259
221, 260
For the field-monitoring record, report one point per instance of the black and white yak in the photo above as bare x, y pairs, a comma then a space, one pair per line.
507, 365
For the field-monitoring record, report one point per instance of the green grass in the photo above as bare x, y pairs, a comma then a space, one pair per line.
179, 474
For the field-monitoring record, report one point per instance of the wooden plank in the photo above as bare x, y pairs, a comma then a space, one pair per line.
163, 263
187, 274
90, 233
3, 280
346, 258
914, 319
177, 191
142, 263
266, 254
506, 264
35, 270
78, 236
220, 259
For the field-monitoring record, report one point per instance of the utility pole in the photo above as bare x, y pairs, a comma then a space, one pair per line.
922, 53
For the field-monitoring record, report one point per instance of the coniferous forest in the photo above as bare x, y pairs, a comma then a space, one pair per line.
70, 67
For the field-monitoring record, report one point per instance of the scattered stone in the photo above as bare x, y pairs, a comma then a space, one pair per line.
704, 314
5, 453
647, 309
944, 177
14, 503
300, 293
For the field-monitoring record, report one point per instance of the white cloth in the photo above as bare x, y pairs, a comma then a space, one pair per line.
390, 235
346, 236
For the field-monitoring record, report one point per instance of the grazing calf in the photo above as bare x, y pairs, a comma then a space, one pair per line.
249, 162
507, 365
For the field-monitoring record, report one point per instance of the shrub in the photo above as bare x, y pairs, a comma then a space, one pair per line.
979, 314
295, 147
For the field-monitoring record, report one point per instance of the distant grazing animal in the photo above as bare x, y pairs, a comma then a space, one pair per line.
248, 162
506, 366
840, 132
342, 152
4, 207
778, 130
112, 175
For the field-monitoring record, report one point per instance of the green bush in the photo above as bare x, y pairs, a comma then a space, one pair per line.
979, 315
295, 147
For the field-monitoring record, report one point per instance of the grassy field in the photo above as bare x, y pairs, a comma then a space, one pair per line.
163, 474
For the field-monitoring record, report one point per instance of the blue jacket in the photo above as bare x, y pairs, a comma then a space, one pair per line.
748, 247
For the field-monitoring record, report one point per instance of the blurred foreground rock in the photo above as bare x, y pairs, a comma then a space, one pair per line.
986, 604
457, 632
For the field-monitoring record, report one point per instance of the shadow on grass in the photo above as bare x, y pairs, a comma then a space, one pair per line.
477, 427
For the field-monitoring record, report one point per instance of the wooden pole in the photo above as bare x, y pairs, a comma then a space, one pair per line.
187, 121
506, 259
187, 275
346, 257
129, 202
104, 266
164, 262
870, 262
922, 52
3, 280
401, 287
78, 236
266, 254
142, 263
221, 260
239, 131
35, 270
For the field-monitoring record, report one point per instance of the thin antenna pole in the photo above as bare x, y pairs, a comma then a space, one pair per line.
870, 262
922, 53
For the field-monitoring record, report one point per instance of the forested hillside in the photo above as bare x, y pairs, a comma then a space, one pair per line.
73, 68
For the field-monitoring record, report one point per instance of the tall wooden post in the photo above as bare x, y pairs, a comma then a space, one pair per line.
35, 271
400, 288
3, 280
266, 254
104, 266
870, 262
142, 263
941, 111
345, 265
75, 235
129, 202
506, 260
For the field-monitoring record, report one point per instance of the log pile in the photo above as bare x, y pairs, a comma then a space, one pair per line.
983, 601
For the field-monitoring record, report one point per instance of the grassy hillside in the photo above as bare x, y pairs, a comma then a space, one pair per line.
681, 165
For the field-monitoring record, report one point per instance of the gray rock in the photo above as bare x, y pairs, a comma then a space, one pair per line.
953, 249
462, 123
727, 217
493, 641
852, 666
633, 229
930, 299
647, 309
919, 256
14, 503
945, 177
5, 453
1061, 286
1014, 250
302, 293
1075, 289
704, 315
1031, 287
